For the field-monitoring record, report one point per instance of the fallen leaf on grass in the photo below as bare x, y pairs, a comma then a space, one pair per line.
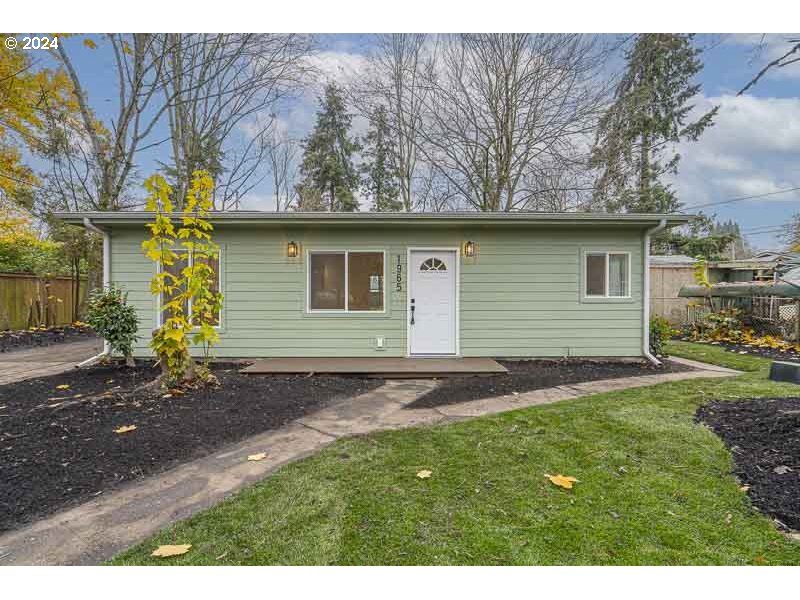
424, 474
125, 429
259, 456
728, 518
223, 555
744, 488
171, 550
564, 481
63, 386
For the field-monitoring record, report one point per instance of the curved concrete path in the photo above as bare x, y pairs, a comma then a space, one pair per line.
42, 361
95, 531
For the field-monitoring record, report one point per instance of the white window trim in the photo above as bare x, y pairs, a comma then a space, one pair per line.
346, 310
160, 315
606, 254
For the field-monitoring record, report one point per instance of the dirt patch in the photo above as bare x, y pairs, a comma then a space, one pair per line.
770, 353
24, 339
763, 434
528, 375
58, 446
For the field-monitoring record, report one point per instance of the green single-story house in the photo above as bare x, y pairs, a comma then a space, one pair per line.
411, 284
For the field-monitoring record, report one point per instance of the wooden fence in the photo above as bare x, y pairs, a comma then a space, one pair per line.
26, 300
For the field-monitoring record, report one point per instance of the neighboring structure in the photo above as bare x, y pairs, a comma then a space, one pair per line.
668, 274
418, 284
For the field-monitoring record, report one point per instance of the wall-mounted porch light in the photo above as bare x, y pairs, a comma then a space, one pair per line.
291, 249
469, 248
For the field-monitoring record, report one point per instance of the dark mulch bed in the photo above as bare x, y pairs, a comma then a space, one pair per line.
54, 454
770, 353
24, 339
764, 436
528, 375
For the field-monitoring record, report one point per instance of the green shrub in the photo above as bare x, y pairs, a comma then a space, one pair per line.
660, 332
110, 315
722, 325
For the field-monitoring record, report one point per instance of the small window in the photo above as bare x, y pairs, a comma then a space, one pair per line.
345, 281
607, 274
433, 264
184, 260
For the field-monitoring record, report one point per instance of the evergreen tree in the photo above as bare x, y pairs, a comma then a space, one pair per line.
329, 178
380, 182
649, 114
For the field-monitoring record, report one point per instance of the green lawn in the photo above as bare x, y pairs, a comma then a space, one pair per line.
655, 488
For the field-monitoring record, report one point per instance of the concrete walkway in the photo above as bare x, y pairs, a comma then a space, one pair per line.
46, 360
95, 531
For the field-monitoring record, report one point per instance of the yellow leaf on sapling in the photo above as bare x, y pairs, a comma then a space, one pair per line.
171, 550
564, 481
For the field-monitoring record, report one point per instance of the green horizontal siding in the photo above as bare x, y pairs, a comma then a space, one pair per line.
520, 296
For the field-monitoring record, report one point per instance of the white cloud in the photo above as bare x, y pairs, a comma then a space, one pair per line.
340, 67
751, 149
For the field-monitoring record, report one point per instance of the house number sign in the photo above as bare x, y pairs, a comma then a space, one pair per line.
399, 277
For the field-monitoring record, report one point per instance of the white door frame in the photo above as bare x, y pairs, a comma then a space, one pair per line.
457, 254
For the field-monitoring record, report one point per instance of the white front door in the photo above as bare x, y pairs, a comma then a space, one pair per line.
432, 301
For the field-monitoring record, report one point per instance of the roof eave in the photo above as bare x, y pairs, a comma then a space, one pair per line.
508, 219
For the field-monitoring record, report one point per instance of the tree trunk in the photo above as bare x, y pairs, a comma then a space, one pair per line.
644, 172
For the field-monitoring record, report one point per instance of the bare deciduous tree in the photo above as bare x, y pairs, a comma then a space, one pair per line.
497, 107
108, 150
282, 155
394, 81
218, 89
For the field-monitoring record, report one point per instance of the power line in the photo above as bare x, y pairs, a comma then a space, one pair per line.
740, 198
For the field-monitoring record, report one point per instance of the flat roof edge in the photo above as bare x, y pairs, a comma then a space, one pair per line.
257, 218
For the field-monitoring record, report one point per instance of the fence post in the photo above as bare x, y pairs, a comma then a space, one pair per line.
797, 321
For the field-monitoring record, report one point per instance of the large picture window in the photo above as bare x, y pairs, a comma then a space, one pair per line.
607, 274
184, 260
346, 281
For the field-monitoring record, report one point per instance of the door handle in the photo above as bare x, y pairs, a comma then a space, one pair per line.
412, 311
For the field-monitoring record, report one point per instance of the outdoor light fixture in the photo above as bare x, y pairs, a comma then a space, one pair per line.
291, 249
469, 248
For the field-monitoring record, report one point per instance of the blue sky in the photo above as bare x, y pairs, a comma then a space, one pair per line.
753, 148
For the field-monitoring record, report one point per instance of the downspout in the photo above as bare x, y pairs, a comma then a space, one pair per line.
662, 225
87, 222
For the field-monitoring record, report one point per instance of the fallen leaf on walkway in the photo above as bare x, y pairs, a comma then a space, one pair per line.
125, 429
109, 381
781, 470
78, 396
63, 386
564, 481
424, 474
167, 396
259, 456
171, 550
